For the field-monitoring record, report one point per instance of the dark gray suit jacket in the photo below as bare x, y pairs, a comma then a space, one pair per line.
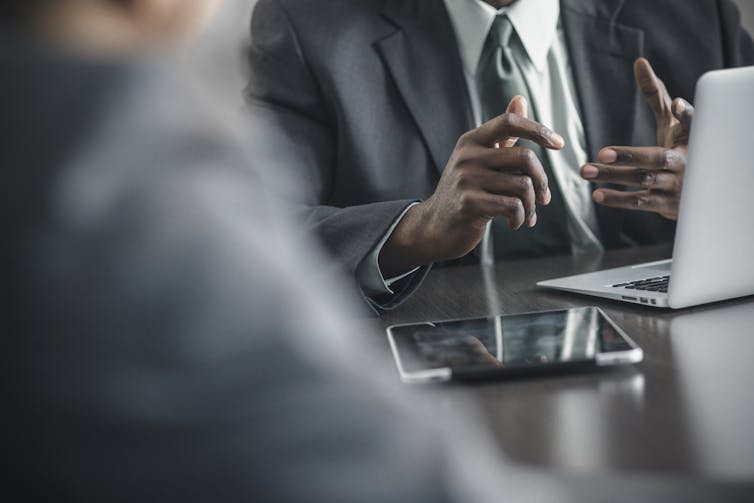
366, 99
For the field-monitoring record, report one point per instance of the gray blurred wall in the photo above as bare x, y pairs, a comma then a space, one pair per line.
219, 52
747, 13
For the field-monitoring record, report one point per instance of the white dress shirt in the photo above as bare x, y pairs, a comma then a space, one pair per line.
542, 56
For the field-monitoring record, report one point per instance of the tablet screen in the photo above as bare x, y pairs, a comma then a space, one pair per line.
522, 340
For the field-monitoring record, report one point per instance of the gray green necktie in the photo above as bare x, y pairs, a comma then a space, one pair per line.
498, 80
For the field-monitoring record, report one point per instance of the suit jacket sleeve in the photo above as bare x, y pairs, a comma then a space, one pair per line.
300, 129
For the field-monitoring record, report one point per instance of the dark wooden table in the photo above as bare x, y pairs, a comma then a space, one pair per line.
687, 409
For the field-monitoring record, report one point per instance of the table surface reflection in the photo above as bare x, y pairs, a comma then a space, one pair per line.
687, 409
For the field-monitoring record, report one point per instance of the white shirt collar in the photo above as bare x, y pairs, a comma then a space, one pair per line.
535, 21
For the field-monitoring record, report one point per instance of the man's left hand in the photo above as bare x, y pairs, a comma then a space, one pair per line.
657, 172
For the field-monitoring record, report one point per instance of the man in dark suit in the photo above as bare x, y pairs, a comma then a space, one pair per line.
375, 104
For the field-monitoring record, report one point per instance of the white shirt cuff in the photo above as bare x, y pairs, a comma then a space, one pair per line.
369, 275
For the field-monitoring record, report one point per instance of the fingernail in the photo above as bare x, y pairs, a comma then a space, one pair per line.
548, 196
608, 155
598, 196
589, 171
557, 140
533, 220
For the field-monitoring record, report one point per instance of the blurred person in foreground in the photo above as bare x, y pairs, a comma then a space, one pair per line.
164, 339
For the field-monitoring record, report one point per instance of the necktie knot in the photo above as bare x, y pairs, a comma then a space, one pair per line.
502, 31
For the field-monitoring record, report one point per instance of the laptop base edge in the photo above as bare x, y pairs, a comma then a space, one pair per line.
623, 296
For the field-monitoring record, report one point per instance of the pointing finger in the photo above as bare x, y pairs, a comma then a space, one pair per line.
645, 157
512, 125
631, 176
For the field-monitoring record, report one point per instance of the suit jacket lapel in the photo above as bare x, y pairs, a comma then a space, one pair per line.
423, 59
602, 53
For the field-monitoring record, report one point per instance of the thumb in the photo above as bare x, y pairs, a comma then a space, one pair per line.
518, 106
654, 91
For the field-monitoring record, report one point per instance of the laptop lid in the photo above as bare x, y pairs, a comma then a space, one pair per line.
713, 257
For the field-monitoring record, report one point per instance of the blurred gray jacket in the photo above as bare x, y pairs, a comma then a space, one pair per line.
166, 337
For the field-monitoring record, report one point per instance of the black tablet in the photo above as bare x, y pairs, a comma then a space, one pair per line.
509, 345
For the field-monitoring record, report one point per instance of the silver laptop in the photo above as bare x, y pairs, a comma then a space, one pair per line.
713, 256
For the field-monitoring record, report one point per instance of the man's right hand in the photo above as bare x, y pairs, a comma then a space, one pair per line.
486, 177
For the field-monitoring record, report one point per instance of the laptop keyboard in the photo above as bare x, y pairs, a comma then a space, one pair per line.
659, 284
